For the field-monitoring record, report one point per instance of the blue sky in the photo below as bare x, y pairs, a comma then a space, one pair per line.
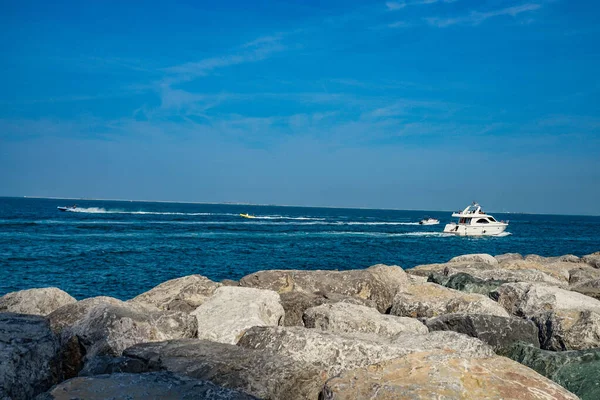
418, 104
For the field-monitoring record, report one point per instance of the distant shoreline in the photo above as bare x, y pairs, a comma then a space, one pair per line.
279, 205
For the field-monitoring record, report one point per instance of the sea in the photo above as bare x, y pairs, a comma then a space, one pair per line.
124, 248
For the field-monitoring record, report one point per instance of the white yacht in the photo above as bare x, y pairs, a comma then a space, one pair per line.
472, 221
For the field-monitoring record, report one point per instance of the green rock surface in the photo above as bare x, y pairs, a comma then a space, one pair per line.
576, 370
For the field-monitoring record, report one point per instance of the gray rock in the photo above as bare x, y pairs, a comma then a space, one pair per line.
182, 294
35, 301
351, 318
336, 353
592, 259
567, 320
576, 370
153, 385
101, 365
109, 329
69, 314
431, 300
295, 303
498, 332
589, 288
483, 258
443, 375
378, 283
508, 256
231, 310
466, 283
29, 360
582, 274
260, 373
472, 268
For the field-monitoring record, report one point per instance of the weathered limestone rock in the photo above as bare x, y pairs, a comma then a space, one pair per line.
295, 303
550, 260
430, 300
336, 353
508, 256
226, 315
498, 332
153, 385
69, 314
260, 373
100, 365
29, 360
556, 269
444, 375
378, 283
35, 301
483, 258
182, 294
567, 320
576, 370
487, 272
109, 329
466, 283
351, 318
589, 288
583, 274
472, 268
592, 259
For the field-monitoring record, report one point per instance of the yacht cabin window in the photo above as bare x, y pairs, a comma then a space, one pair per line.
483, 221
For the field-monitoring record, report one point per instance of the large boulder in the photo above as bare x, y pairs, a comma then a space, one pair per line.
29, 359
430, 300
263, 374
101, 365
108, 329
589, 288
488, 272
153, 385
498, 332
226, 315
378, 283
508, 256
466, 283
35, 301
295, 303
582, 274
576, 370
556, 269
182, 294
337, 353
351, 318
444, 375
567, 320
69, 314
483, 258
592, 259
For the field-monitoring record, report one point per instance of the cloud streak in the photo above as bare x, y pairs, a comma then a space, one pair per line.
398, 5
477, 17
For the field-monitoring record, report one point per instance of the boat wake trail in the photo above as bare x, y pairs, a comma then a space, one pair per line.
96, 210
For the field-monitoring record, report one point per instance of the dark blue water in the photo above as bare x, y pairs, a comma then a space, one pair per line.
121, 249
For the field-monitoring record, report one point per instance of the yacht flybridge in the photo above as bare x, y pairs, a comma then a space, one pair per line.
474, 222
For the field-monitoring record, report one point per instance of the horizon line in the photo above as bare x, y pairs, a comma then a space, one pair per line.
276, 205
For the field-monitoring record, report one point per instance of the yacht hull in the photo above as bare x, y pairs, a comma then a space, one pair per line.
475, 230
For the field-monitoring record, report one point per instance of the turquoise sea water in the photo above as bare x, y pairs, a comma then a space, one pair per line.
121, 249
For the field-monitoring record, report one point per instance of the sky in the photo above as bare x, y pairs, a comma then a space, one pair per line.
408, 104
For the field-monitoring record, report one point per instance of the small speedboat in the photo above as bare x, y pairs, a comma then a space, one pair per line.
429, 221
72, 208
247, 216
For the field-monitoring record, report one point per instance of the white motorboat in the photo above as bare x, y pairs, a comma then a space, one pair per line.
429, 221
472, 221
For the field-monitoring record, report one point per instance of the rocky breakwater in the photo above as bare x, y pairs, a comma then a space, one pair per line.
473, 331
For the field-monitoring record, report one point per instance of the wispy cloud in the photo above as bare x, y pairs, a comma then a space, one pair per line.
398, 5
477, 17
254, 51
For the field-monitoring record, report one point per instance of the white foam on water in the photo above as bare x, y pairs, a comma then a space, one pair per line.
96, 210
